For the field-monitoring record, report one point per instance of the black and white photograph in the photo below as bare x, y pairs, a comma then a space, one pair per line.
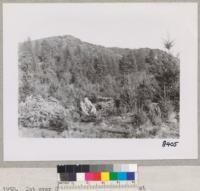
103, 76
74, 88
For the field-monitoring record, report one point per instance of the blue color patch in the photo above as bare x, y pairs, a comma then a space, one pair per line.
130, 176
122, 176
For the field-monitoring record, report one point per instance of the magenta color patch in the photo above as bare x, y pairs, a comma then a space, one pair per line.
88, 176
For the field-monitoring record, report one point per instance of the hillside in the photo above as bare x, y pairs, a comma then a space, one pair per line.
128, 89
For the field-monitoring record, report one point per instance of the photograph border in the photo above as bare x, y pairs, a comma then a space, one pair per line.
54, 163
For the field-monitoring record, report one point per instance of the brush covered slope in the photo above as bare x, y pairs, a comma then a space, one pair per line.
71, 88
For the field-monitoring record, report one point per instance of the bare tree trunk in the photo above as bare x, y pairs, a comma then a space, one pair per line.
164, 89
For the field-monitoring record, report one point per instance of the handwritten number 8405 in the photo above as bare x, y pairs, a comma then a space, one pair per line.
169, 144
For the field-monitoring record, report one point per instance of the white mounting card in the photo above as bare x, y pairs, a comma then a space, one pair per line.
128, 26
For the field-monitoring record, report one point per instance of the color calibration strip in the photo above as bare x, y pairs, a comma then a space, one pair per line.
103, 173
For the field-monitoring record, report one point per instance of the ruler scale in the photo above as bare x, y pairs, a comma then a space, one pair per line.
112, 177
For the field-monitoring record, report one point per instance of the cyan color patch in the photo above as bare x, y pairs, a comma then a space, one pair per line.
122, 176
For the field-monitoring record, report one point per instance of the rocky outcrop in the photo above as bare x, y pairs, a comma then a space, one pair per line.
88, 110
87, 107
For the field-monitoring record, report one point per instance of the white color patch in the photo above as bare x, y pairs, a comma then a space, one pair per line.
80, 176
133, 167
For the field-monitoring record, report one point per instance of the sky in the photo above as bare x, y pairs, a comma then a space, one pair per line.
126, 25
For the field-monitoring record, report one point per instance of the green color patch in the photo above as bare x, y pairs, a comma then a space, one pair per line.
113, 176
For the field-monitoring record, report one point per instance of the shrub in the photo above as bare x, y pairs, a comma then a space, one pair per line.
166, 108
43, 113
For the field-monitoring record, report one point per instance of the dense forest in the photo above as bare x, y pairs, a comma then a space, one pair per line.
71, 88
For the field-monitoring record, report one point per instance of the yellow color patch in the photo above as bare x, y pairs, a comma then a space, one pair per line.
105, 176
